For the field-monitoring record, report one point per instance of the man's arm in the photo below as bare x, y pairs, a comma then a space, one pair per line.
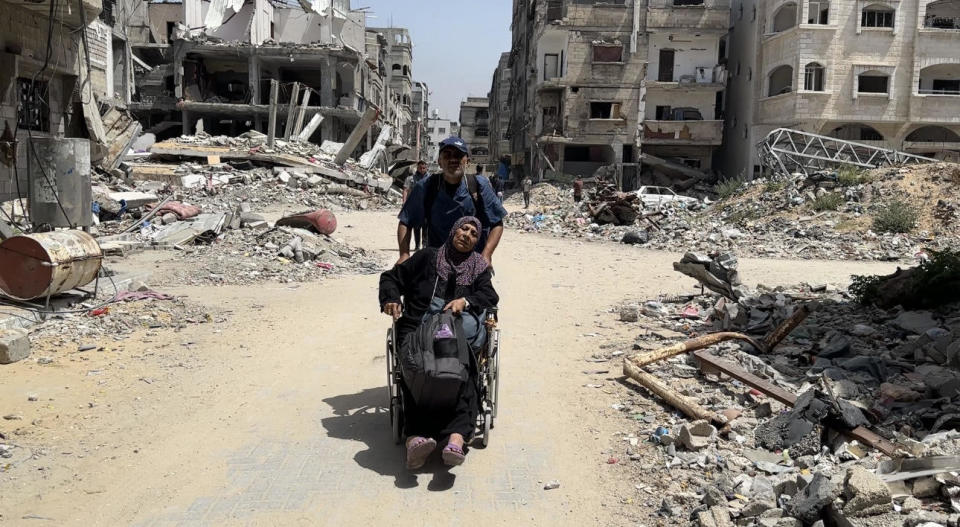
493, 239
403, 242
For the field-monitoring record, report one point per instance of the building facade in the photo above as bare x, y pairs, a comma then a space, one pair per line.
607, 84
885, 73
437, 130
475, 128
500, 110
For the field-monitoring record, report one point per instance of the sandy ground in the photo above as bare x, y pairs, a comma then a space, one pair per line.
275, 415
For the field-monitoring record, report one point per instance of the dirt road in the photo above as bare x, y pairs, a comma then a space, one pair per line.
276, 416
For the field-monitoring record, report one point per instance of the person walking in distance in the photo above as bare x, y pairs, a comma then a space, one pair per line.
526, 187
408, 184
578, 189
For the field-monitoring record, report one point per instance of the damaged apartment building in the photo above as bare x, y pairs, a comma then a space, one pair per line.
633, 85
67, 77
500, 110
885, 73
217, 64
475, 128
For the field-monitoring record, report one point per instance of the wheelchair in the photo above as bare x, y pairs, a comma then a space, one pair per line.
488, 371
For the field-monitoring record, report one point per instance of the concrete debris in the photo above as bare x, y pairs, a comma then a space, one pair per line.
844, 366
697, 435
14, 345
774, 218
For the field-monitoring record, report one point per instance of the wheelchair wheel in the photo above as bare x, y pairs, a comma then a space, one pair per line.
493, 382
391, 386
487, 426
396, 419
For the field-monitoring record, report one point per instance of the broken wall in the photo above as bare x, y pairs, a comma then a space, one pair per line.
22, 50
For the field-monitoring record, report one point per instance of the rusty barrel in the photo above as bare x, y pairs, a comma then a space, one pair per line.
322, 221
47, 263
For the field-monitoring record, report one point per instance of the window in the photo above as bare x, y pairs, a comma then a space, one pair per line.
172, 27
946, 86
441, 130
780, 81
818, 12
687, 2
873, 83
554, 10
605, 110
482, 132
665, 70
396, 67
551, 66
33, 112
785, 18
605, 53
876, 16
813, 77
663, 113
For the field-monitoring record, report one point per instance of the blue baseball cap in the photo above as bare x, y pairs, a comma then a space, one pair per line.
455, 142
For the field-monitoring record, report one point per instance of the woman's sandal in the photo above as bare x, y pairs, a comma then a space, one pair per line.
418, 451
453, 455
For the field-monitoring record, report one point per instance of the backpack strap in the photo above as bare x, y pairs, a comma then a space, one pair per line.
433, 188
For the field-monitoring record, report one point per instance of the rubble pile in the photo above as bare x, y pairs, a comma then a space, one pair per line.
793, 218
280, 254
887, 377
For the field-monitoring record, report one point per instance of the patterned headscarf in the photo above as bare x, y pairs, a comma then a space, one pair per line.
469, 265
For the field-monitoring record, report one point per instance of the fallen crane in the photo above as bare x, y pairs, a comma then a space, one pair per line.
785, 151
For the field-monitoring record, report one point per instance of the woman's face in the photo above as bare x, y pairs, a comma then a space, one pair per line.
465, 239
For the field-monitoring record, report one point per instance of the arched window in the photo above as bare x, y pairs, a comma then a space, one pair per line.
785, 17
813, 77
944, 14
780, 81
877, 15
873, 82
396, 67
856, 132
933, 134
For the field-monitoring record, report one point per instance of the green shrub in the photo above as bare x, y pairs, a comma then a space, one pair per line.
728, 187
932, 284
774, 186
828, 201
895, 216
850, 176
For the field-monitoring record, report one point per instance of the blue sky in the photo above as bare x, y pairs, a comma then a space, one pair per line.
456, 43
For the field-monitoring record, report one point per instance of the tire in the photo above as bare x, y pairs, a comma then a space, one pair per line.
494, 388
487, 426
391, 389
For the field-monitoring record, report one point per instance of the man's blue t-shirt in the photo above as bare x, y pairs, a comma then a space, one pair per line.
447, 210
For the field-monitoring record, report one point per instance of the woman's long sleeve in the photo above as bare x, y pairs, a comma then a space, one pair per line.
402, 279
483, 295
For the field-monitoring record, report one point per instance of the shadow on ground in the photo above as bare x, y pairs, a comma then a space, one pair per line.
363, 417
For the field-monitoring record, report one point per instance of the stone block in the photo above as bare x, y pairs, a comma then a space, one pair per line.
14, 345
866, 494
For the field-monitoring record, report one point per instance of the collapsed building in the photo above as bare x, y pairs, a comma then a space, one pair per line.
881, 73
500, 109
613, 83
475, 128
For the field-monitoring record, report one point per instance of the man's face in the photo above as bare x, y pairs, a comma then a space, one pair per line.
453, 162
421, 168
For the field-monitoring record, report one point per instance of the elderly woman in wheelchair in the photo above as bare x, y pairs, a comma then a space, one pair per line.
452, 279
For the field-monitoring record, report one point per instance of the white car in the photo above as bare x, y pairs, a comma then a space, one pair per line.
657, 197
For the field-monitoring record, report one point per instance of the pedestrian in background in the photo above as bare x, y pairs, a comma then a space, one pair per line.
578, 189
408, 184
526, 187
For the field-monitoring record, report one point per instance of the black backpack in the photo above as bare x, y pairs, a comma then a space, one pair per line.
435, 369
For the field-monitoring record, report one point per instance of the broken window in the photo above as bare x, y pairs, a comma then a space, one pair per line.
780, 81
605, 110
813, 77
554, 10
607, 53
33, 110
873, 82
877, 16
818, 12
665, 70
551, 66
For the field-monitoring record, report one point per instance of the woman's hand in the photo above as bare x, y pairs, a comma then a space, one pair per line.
393, 309
456, 306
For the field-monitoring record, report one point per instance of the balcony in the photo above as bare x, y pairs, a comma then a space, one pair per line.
702, 133
687, 14
711, 78
935, 108
65, 12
